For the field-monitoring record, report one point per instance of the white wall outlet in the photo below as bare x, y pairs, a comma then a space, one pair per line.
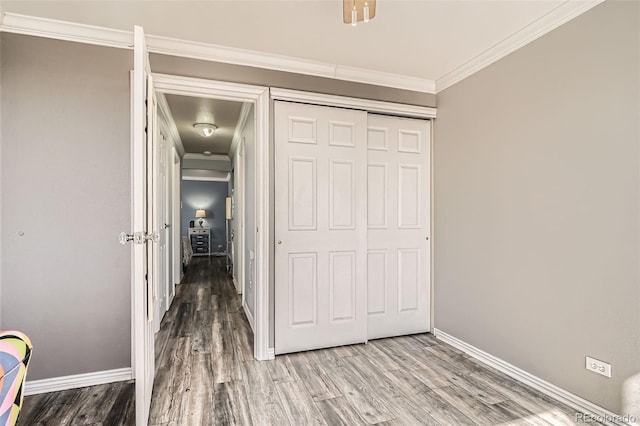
598, 366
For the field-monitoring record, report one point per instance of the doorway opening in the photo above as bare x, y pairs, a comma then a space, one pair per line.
236, 160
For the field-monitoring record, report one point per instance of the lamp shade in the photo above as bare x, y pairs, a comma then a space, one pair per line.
200, 213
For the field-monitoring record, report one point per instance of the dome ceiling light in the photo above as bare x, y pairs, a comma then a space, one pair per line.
205, 129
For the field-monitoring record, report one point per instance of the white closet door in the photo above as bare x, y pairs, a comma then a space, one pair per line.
320, 227
398, 215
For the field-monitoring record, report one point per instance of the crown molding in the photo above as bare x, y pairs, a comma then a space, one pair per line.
547, 23
380, 78
237, 134
70, 31
235, 56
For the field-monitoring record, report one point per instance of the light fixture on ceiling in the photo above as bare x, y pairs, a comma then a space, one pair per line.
205, 129
354, 11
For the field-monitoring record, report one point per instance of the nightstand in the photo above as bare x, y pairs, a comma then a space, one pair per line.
200, 241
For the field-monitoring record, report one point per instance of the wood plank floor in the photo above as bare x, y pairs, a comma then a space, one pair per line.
206, 375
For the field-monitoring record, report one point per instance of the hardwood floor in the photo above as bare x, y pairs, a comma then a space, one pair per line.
205, 374
110, 404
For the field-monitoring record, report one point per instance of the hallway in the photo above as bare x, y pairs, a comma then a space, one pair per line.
201, 349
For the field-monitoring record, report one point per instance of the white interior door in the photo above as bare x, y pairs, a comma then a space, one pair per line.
143, 276
398, 215
175, 228
320, 227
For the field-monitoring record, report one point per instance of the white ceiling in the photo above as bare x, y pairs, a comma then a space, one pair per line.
421, 38
187, 110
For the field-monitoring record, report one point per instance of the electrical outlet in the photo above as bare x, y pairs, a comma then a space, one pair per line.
597, 366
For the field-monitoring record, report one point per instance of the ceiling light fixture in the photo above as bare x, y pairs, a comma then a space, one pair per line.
354, 11
205, 129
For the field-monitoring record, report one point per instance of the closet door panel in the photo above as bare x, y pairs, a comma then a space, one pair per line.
320, 227
398, 211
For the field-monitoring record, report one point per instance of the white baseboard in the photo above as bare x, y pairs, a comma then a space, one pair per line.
271, 354
247, 312
522, 376
55, 384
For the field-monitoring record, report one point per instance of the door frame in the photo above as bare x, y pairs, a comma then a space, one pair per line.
259, 97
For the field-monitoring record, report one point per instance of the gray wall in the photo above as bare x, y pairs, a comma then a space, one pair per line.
537, 205
211, 197
65, 182
250, 207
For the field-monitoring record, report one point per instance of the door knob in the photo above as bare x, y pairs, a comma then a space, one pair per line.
138, 237
279, 242
166, 226
124, 238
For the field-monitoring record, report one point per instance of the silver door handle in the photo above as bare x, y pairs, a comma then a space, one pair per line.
136, 237
279, 242
124, 238
166, 226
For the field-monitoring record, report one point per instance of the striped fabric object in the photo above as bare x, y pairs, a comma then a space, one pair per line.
15, 352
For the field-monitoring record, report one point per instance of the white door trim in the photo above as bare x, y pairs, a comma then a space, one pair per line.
259, 97
368, 105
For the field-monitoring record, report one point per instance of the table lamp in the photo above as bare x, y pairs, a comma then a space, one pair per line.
201, 214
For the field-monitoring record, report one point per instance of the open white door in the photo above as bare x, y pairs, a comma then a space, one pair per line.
320, 226
144, 235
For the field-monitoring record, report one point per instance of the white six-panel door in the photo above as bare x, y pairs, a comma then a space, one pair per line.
398, 216
320, 227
